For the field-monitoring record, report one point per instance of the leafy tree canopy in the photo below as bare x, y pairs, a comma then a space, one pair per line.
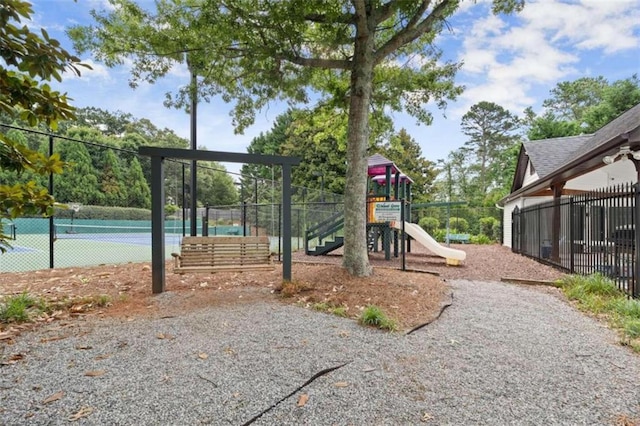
406, 153
582, 106
492, 132
356, 54
28, 62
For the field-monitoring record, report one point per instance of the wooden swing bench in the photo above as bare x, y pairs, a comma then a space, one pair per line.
223, 254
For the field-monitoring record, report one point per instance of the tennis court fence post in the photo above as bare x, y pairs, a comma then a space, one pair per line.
51, 224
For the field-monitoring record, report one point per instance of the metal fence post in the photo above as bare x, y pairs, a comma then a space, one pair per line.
514, 229
244, 218
52, 236
184, 204
403, 210
635, 288
538, 251
279, 228
205, 222
571, 236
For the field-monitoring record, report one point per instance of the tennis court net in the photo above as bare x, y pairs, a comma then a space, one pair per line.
9, 229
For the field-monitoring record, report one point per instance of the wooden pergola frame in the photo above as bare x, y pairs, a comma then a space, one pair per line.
157, 200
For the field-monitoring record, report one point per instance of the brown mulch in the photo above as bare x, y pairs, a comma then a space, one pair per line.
410, 298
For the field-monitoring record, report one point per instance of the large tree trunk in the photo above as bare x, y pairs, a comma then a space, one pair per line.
356, 255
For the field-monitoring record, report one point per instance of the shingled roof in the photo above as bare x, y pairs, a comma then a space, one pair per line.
548, 155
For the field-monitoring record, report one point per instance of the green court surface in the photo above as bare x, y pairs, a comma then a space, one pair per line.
31, 251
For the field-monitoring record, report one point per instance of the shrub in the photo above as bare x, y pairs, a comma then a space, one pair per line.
480, 239
632, 328
487, 225
598, 294
170, 210
578, 287
460, 224
330, 308
429, 224
626, 307
497, 231
440, 235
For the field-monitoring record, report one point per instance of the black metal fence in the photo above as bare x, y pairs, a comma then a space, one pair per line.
584, 234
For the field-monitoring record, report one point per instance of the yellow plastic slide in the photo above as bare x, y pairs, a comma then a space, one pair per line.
453, 256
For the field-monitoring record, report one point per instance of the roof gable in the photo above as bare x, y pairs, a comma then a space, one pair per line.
544, 156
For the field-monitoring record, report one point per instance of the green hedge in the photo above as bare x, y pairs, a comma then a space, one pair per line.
105, 213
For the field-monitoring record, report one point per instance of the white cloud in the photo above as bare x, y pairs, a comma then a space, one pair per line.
101, 5
466, 5
541, 46
607, 25
180, 70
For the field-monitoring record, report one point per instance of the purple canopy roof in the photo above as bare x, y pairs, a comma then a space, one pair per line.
377, 165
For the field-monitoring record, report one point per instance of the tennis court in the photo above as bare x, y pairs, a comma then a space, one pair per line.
96, 242
84, 245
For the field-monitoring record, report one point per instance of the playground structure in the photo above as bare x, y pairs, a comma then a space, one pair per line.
388, 214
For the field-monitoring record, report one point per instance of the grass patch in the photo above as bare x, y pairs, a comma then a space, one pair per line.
25, 307
632, 328
599, 295
375, 317
330, 308
19, 308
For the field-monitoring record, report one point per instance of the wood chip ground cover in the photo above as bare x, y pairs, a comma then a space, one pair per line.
410, 298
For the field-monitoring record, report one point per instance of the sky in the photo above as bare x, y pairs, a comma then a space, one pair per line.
513, 61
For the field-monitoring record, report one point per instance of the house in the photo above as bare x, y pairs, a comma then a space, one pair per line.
554, 168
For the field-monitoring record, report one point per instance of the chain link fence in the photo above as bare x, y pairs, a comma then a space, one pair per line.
106, 218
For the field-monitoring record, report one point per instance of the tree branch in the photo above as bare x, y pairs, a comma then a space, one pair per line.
408, 34
361, 17
416, 16
142, 52
342, 64
319, 18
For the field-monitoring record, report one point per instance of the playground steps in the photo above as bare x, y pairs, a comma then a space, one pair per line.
326, 235
327, 247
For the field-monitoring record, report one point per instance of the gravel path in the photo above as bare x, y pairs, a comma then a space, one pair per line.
501, 354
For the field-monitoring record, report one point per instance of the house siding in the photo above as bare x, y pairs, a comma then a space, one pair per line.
528, 177
506, 222
589, 181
